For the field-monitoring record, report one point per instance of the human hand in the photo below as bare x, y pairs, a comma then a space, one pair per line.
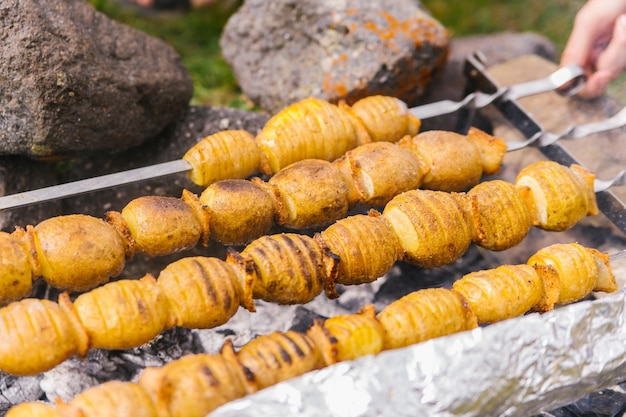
598, 44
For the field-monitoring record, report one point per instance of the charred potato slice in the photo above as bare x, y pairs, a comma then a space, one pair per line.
366, 245
77, 252
223, 155
202, 292
239, 211
278, 356
194, 385
423, 315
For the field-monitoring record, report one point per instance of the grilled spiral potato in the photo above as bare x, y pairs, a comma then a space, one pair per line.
76, 252
33, 409
432, 226
194, 385
501, 293
112, 398
379, 171
311, 128
239, 211
279, 356
309, 193
123, 314
499, 214
287, 268
202, 292
37, 335
230, 154
559, 196
580, 270
164, 225
349, 336
16, 273
385, 118
423, 315
366, 245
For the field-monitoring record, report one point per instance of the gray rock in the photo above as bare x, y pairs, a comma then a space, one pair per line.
73, 81
286, 50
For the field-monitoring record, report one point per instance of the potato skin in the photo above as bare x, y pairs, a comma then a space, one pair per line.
366, 245
77, 252
501, 293
162, 225
202, 292
239, 211
454, 163
194, 385
16, 273
223, 155
279, 356
309, 129
423, 315
37, 335
123, 314
311, 193
112, 398
432, 227
33, 409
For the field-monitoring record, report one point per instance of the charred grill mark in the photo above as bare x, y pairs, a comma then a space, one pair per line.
202, 273
208, 375
295, 347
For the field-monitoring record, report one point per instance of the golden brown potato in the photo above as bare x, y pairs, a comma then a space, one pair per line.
501, 293
112, 398
385, 118
277, 357
202, 292
347, 337
194, 385
310, 193
500, 216
423, 315
33, 409
239, 211
379, 171
559, 196
162, 225
123, 314
580, 270
223, 155
454, 163
37, 335
492, 149
432, 227
309, 129
367, 247
77, 252
286, 268
16, 273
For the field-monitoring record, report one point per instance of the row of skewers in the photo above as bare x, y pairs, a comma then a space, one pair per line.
423, 227
196, 384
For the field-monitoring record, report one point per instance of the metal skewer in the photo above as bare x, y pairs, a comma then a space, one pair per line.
566, 79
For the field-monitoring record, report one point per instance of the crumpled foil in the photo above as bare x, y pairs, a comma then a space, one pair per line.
517, 367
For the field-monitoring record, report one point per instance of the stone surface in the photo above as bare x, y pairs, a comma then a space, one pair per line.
286, 50
73, 81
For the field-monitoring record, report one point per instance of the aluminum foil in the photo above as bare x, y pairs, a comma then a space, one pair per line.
517, 367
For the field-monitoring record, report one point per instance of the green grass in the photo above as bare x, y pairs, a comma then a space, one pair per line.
195, 34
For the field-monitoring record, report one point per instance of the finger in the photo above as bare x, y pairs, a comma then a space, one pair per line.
596, 84
588, 27
613, 58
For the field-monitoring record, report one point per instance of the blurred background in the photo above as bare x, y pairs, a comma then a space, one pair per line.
195, 33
